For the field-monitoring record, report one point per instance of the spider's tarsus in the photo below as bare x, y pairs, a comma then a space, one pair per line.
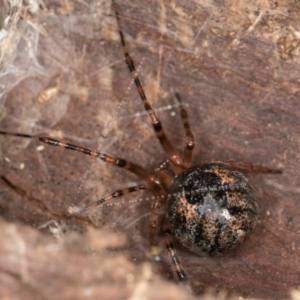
23, 135
91, 206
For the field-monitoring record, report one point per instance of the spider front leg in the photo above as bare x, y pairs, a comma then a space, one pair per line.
107, 158
156, 123
190, 141
116, 194
133, 168
151, 181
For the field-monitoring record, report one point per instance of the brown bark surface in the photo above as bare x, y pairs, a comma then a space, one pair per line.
236, 67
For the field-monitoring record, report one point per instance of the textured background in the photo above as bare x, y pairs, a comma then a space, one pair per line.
236, 66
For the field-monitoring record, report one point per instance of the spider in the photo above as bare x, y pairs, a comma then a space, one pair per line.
210, 207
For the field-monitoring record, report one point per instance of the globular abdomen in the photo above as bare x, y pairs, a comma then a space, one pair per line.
211, 208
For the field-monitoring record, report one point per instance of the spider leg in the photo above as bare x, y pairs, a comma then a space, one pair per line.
251, 167
115, 194
157, 126
177, 267
119, 162
190, 141
24, 194
154, 217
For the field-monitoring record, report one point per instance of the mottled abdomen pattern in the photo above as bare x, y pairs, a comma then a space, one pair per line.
211, 208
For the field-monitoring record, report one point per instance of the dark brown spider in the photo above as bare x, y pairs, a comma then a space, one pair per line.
210, 207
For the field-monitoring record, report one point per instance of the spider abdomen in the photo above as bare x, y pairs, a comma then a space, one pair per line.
211, 208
